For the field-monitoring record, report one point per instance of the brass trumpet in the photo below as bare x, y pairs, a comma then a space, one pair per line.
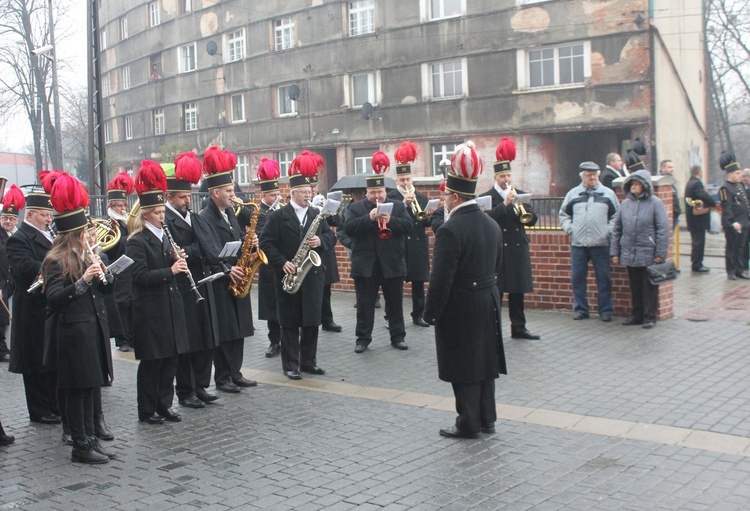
416, 209
383, 231
523, 216
697, 205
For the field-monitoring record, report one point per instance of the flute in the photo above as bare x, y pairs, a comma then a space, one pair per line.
102, 269
178, 253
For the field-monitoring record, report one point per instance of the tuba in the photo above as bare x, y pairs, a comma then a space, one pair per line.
251, 257
523, 216
107, 233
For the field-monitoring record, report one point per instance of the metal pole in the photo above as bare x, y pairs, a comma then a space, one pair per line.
55, 89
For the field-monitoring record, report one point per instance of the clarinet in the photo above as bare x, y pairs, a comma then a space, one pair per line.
177, 249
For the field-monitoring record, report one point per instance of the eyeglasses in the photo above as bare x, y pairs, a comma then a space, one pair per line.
446, 194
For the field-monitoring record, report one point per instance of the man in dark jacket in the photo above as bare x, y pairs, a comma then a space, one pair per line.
463, 303
13, 203
698, 218
735, 218
613, 170
666, 168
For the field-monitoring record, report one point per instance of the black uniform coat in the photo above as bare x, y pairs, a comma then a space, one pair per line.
266, 275
159, 327
608, 175
280, 240
196, 239
77, 333
234, 317
330, 264
734, 207
367, 247
696, 191
417, 243
26, 249
463, 301
437, 219
124, 282
6, 279
515, 276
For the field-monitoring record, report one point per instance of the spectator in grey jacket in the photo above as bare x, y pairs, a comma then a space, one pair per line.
586, 215
640, 237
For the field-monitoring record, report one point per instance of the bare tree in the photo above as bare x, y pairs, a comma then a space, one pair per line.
75, 133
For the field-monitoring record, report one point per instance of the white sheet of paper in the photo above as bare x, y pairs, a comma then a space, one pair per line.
524, 198
433, 204
385, 208
485, 203
230, 249
210, 278
331, 207
337, 195
120, 265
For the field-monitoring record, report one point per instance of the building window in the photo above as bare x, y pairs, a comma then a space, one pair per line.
363, 160
237, 107
107, 132
187, 55
128, 127
104, 39
125, 78
236, 45
441, 152
190, 114
154, 14
283, 32
154, 65
159, 124
285, 159
439, 9
364, 89
556, 66
447, 79
243, 170
105, 85
361, 17
185, 6
284, 104
123, 28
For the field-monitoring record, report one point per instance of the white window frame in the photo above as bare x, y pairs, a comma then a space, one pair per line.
128, 124
160, 126
190, 116
440, 152
186, 6
373, 89
103, 41
428, 92
362, 160
285, 159
234, 45
361, 17
523, 69
282, 96
123, 28
528, 2
107, 132
125, 77
105, 85
233, 117
242, 169
154, 14
284, 33
183, 58
429, 15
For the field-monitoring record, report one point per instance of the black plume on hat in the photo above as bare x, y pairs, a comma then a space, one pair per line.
728, 161
638, 147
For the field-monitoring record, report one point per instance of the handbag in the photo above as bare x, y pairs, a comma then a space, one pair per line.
661, 272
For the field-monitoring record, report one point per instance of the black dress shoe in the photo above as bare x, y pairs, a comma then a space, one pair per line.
169, 415
312, 370
192, 402
332, 327
67, 438
359, 348
732, 276
525, 334
273, 350
293, 375
649, 325
400, 345
454, 432
420, 322
244, 382
702, 269
48, 419
6, 439
204, 396
743, 275
631, 321
101, 430
488, 428
124, 348
229, 387
607, 318
580, 315
96, 446
150, 419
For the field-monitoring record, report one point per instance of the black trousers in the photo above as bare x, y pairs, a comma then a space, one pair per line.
193, 371
62, 402
697, 248
325, 310
417, 299
155, 384
126, 318
367, 290
299, 347
736, 255
79, 411
644, 295
228, 361
475, 405
516, 312
41, 394
274, 331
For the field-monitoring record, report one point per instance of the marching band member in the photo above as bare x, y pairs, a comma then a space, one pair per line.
234, 315
299, 312
13, 202
735, 218
77, 333
160, 332
200, 244
378, 257
26, 250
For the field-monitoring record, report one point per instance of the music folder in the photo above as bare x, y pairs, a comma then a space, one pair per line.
230, 249
120, 265
210, 278
331, 207
338, 195
386, 208
522, 198
485, 203
433, 204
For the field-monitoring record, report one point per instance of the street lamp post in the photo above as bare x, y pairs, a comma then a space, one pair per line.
55, 88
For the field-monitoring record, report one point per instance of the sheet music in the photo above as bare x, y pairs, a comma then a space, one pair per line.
524, 198
120, 265
385, 208
331, 207
210, 278
433, 204
230, 249
337, 195
485, 203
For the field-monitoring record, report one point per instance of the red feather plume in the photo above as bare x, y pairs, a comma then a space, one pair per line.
268, 170
214, 161
67, 194
231, 160
380, 162
406, 152
122, 181
187, 167
306, 164
48, 178
85, 193
442, 186
14, 198
466, 161
506, 150
150, 177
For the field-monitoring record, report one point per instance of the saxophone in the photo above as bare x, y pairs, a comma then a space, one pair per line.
251, 257
304, 259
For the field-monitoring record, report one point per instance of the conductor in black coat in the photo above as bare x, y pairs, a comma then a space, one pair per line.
299, 314
698, 219
515, 276
26, 250
463, 303
378, 261
269, 193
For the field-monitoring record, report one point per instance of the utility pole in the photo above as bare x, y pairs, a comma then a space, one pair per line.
55, 91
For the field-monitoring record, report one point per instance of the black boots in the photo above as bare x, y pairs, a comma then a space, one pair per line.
5, 439
101, 429
84, 452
